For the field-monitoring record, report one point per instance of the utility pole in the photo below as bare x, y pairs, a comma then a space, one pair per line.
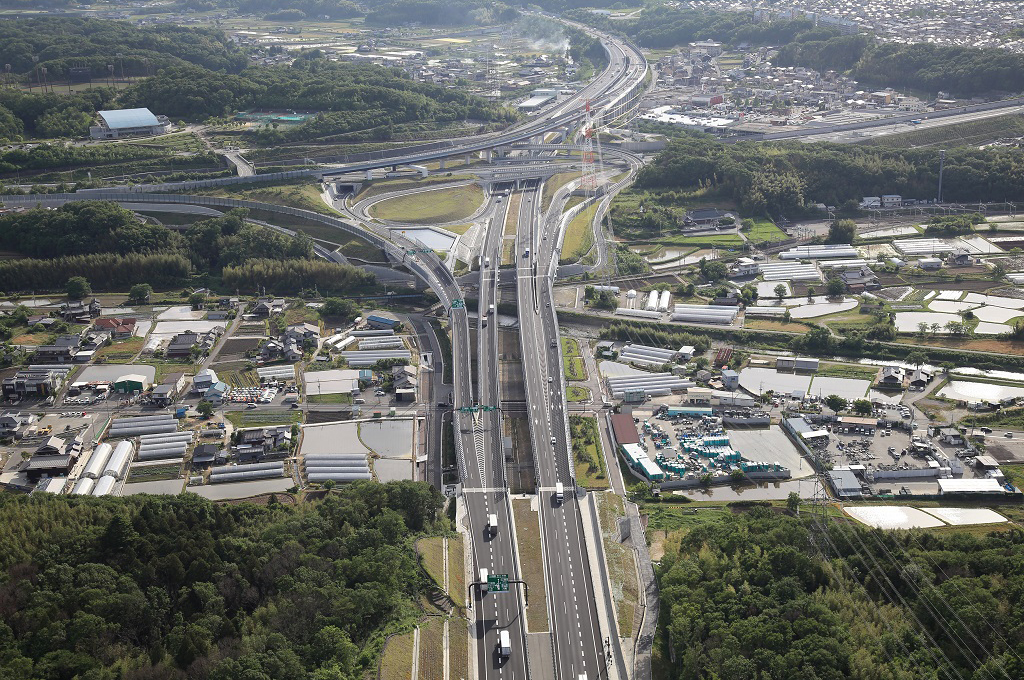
942, 165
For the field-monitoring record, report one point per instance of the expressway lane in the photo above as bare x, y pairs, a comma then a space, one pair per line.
576, 640
485, 490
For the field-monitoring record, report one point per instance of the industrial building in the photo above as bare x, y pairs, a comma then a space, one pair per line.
128, 123
820, 252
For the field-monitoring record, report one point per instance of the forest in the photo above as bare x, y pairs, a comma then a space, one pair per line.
111, 248
760, 595
349, 96
176, 588
787, 178
61, 43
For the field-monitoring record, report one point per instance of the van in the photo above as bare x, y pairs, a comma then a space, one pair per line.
487, 262
492, 524
553, 441
490, 309
526, 253
483, 580
359, 400
504, 644
559, 493
554, 342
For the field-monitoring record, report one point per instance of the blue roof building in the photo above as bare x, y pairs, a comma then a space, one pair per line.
376, 321
128, 123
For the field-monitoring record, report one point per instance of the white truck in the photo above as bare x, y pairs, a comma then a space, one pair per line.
483, 580
492, 524
559, 492
487, 262
504, 644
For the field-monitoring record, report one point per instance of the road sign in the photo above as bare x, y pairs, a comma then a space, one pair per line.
497, 583
458, 304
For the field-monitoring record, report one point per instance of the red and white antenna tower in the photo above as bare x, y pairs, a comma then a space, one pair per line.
591, 155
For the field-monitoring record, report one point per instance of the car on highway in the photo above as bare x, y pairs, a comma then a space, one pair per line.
250, 405
1008, 435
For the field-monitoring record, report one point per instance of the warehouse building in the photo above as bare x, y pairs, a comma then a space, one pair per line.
129, 123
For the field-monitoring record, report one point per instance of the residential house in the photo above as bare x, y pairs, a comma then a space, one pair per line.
11, 421
892, 377
292, 350
44, 320
746, 266
302, 332
859, 279
204, 454
118, 327
181, 344
166, 392
62, 351
269, 306
959, 258
704, 217
218, 315
271, 350
920, 378
216, 392
78, 311
404, 377
204, 380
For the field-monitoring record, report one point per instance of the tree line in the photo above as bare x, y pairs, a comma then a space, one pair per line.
112, 248
169, 588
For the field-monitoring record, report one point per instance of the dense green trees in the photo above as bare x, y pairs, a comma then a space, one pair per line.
79, 228
64, 42
349, 96
176, 587
293, 276
111, 248
785, 177
751, 597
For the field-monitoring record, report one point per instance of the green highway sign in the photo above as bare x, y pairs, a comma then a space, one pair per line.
497, 583
458, 304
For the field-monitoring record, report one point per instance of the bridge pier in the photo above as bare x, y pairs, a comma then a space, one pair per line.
369, 175
440, 164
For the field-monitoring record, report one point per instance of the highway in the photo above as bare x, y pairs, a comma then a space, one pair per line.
576, 640
575, 637
484, 488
